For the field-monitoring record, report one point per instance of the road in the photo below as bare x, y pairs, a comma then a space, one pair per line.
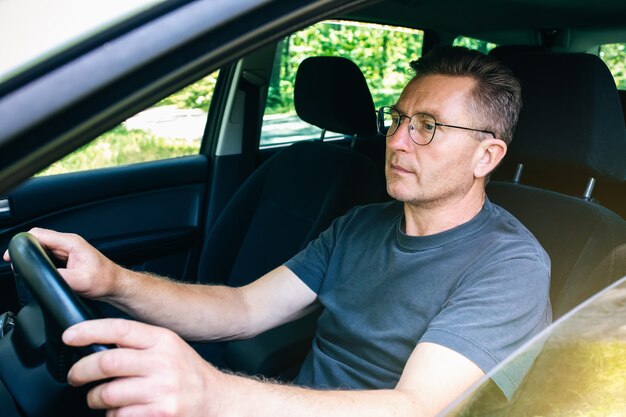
174, 123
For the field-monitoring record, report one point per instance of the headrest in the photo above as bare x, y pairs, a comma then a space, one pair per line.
502, 51
571, 114
331, 93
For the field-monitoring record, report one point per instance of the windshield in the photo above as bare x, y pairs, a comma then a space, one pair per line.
32, 30
579, 370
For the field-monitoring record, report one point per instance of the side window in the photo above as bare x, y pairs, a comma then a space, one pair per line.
383, 53
172, 127
472, 43
614, 56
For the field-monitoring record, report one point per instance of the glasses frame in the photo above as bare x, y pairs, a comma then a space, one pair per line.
380, 115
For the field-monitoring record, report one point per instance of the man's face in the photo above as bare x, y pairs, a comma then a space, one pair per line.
441, 171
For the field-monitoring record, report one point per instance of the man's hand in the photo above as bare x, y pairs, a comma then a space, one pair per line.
88, 272
156, 372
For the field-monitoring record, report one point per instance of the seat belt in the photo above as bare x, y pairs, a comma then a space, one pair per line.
251, 85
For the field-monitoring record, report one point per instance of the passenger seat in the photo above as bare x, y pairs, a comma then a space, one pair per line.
284, 205
332, 91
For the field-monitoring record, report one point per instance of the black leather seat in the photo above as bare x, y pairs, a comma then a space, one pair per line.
571, 123
285, 204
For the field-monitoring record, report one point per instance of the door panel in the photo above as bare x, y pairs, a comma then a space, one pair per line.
144, 216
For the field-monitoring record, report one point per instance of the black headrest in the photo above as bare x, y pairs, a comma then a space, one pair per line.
331, 93
571, 114
502, 51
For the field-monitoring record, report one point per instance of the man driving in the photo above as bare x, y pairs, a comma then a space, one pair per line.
421, 295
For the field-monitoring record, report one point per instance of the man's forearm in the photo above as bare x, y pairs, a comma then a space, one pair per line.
206, 312
240, 396
195, 312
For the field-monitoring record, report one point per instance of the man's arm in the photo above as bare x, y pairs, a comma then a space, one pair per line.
211, 312
195, 312
157, 373
432, 378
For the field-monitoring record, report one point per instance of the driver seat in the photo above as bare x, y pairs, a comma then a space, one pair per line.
569, 96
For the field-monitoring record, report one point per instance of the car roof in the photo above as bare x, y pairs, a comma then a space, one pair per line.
578, 25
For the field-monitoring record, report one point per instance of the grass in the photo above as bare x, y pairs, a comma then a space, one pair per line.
121, 146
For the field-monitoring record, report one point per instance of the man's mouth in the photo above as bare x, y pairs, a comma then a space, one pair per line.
399, 169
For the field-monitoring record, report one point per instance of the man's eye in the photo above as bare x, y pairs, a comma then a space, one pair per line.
428, 126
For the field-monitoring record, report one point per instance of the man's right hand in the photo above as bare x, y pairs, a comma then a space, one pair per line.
88, 272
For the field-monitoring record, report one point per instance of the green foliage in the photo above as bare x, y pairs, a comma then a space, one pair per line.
195, 96
614, 56
119, 147
475, 44
383, 54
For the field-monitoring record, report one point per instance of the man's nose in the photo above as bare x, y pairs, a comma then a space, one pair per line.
401, 139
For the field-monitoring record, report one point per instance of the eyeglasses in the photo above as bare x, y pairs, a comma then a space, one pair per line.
422, 126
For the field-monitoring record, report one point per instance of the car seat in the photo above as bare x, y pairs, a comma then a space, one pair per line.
334, 85
571, 121
287, 202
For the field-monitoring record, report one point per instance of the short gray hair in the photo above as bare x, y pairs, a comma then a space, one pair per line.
497, 98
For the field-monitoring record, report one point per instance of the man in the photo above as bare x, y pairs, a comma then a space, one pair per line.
421, 296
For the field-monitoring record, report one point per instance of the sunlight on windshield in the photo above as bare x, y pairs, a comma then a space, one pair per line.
31, 30
581, 370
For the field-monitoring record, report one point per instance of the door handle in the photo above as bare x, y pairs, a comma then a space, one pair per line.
5, 208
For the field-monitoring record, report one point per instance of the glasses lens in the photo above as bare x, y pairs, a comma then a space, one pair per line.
422, 128
388, 121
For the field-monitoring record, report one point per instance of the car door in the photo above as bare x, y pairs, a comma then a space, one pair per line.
145, 192
137, 192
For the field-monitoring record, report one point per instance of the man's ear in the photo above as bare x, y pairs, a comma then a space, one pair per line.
488, 155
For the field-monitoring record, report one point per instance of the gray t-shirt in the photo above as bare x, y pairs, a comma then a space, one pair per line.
480, 289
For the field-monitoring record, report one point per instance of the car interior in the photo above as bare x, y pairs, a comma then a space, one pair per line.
236, 210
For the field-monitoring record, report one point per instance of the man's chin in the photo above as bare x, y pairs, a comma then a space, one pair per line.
401, 193
410, 196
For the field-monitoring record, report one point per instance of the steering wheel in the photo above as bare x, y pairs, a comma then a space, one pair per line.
33, 359
52, 293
